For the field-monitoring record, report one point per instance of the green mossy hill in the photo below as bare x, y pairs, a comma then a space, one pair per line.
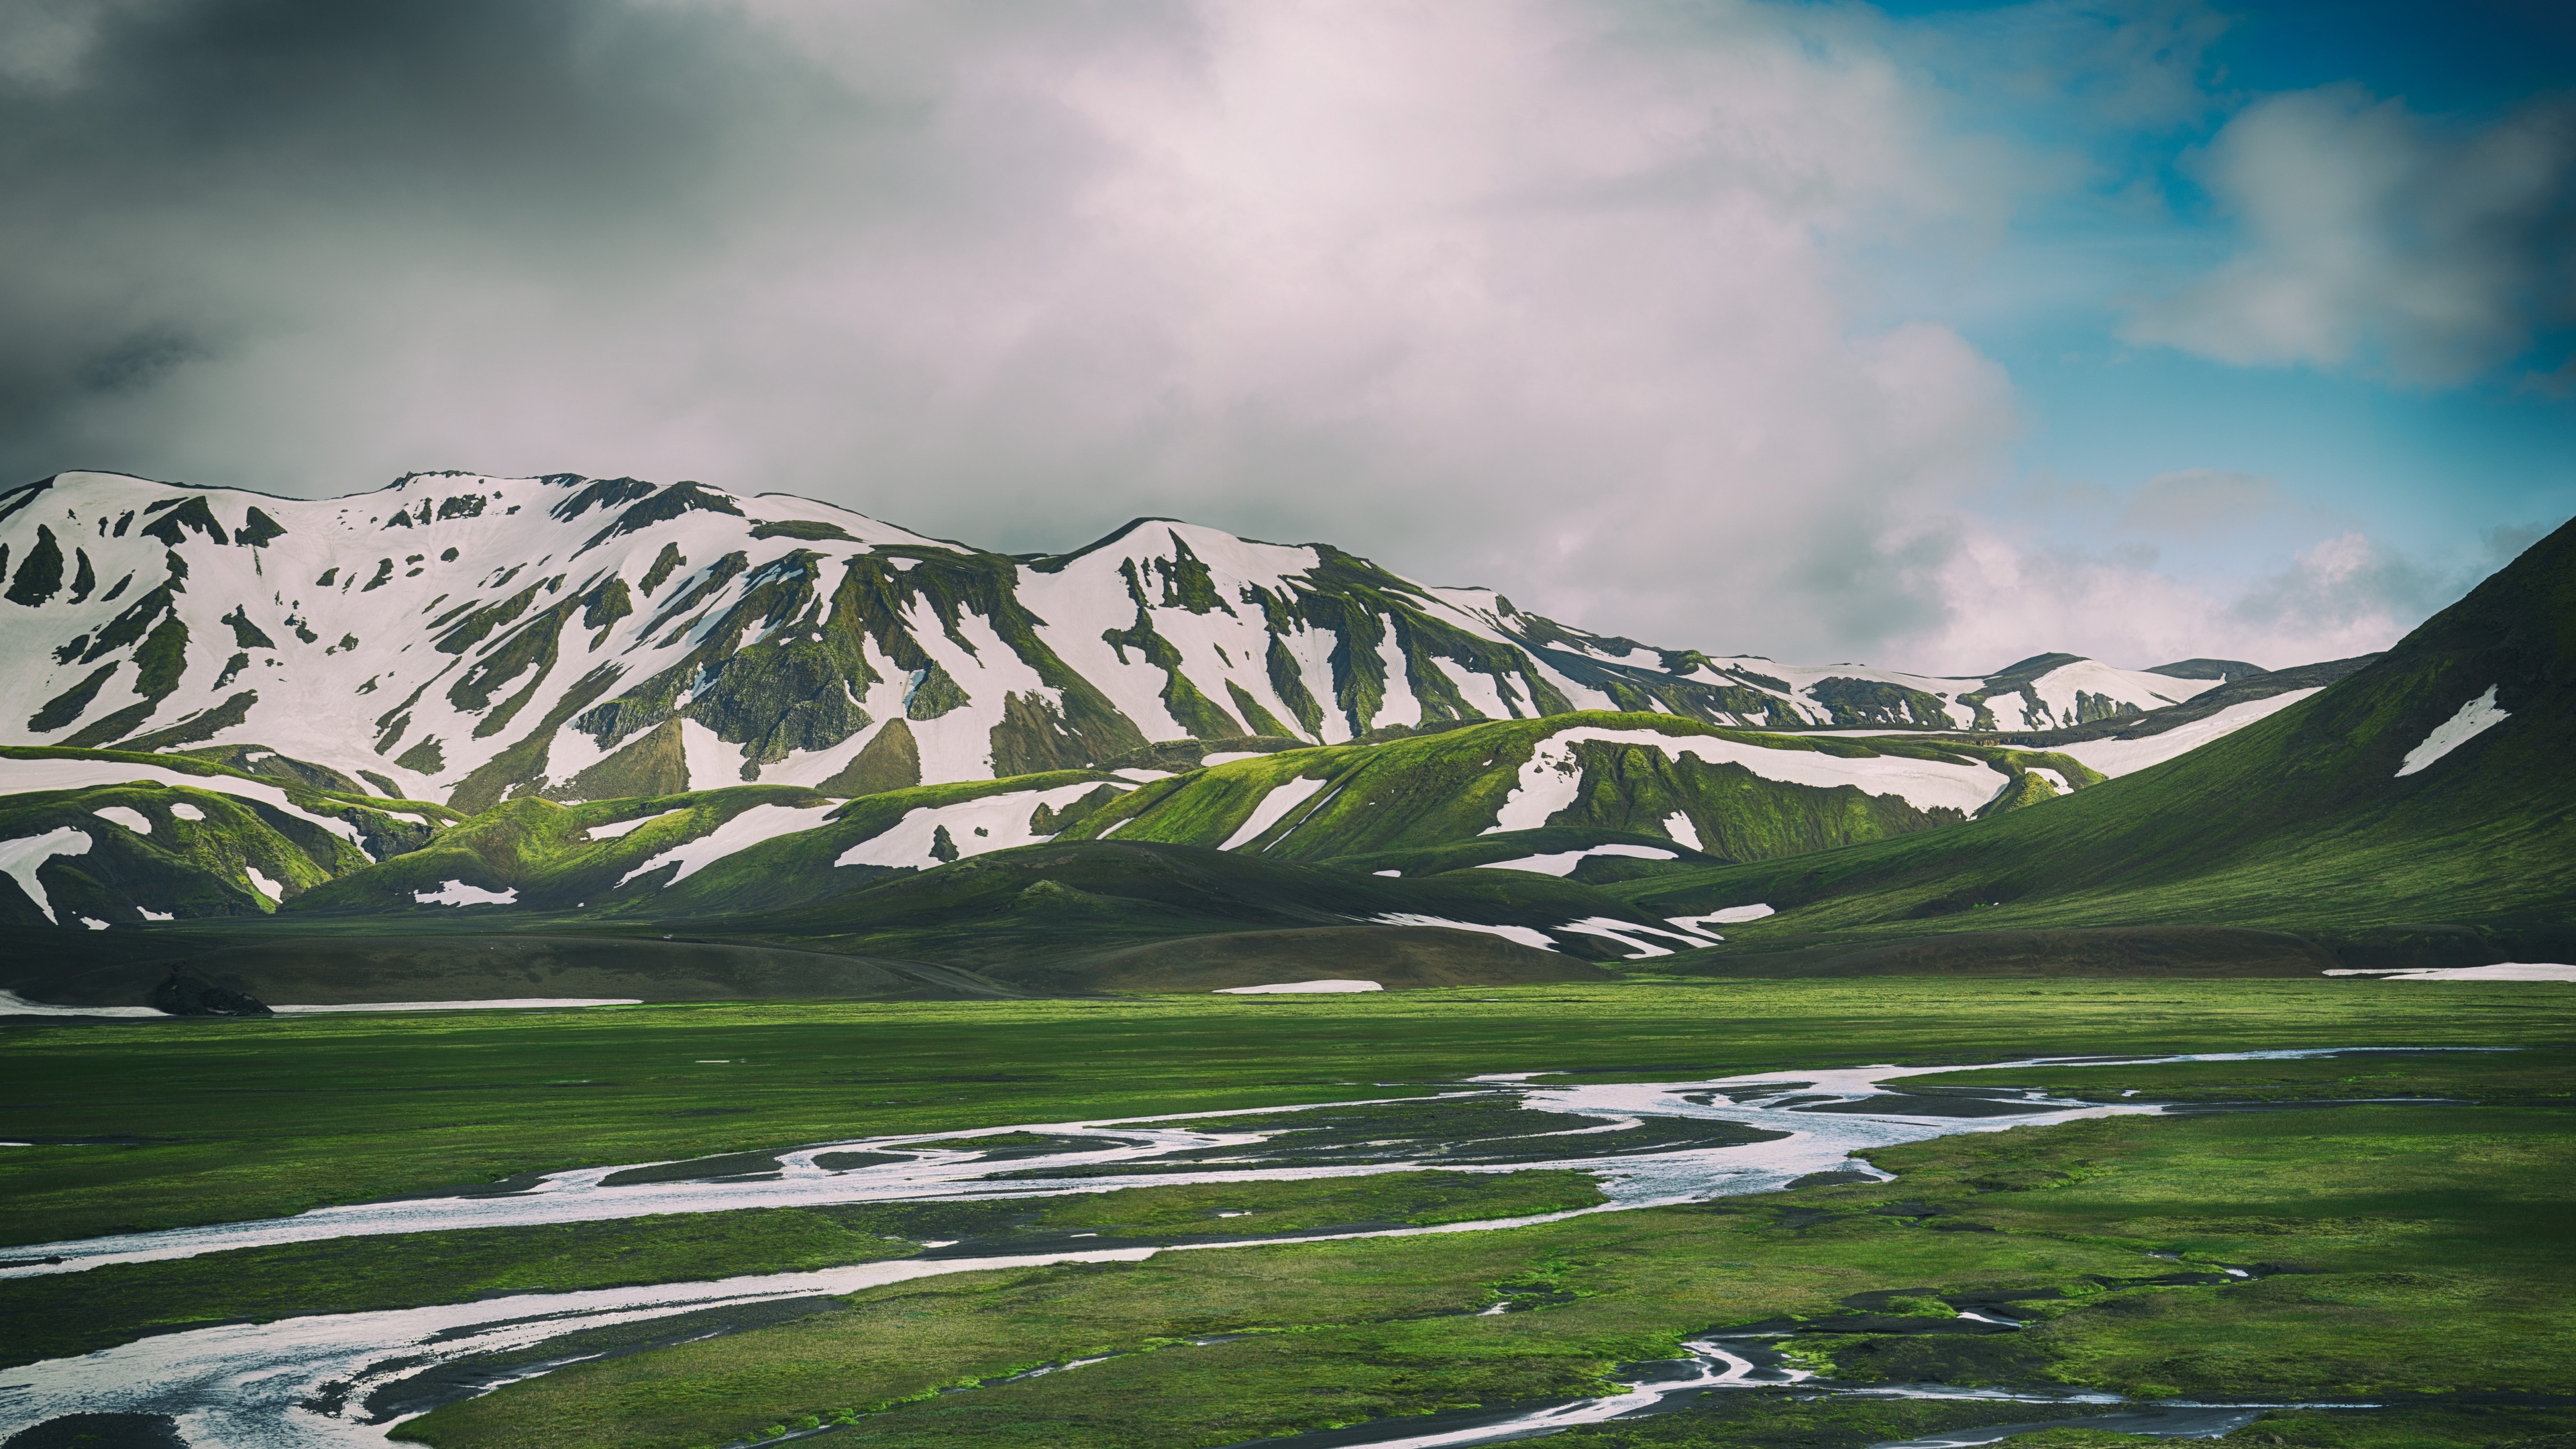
196, 856
1057, 917
1436, 789
1190, 754
2302, 822
544, 851
590, 859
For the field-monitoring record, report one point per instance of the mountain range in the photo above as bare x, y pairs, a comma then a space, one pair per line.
586, 708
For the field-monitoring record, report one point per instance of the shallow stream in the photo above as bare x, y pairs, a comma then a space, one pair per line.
345, 1379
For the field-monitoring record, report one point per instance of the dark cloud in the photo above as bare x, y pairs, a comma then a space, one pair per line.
1550, 295
1531, 295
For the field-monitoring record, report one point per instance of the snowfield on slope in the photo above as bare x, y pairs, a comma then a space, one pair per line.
975, 827
741, 833
20, 777
1274, 807
2127, 757
1552, 779
21, 859
1563, 862
2474, 719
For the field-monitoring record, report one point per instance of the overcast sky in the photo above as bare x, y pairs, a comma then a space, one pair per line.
1931, 336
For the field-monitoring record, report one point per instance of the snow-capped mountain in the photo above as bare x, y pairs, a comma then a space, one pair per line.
466, 639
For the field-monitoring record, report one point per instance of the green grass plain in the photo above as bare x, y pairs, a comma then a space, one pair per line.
2428, 1240
70, 1313
2431, 1233
233, 1119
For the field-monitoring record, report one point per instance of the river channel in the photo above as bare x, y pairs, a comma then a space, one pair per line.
346, 1379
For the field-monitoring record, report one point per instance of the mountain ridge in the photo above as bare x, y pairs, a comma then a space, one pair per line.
582, 638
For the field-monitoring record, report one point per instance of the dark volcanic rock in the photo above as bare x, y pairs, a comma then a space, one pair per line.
184, 995
101, 1431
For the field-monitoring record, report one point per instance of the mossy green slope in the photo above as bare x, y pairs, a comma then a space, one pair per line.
199, 843
547, 853
2301, 822
1035, 913
1437, 789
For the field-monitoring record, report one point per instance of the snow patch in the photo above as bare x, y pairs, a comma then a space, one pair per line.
1275, 805
2474, 719
1396, 873
1552, 778
750, 828
1563, 862
712, 764
1525, 935
269, 888
1601, 926
1731, 916
1003, 819
93, 923
1287, 987
2126, 757
622, 828
1678, 826
1227, 757
1630, 934
458, 893
12, 1004
21, 859
151, 915
2502, 971
2055, 781
132, 819
18, 776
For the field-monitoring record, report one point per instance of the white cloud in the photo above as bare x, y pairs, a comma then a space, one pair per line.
1528, 293
2342, 596
1559, 296
2372, 236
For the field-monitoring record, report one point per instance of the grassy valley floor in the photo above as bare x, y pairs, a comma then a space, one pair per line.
2413, 1252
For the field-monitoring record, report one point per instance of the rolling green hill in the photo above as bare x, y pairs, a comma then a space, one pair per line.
105, 838
2341, 816
1736, 794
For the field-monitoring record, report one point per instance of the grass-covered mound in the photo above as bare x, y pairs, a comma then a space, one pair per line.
2300, 823
129, 838
1448, 787
1040, 915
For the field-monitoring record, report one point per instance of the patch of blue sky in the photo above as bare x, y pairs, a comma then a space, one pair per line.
2109, 111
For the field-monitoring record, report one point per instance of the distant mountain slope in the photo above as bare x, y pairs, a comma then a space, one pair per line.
2435, 785
1730, 793
105, 838
1413, 806
469, 640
